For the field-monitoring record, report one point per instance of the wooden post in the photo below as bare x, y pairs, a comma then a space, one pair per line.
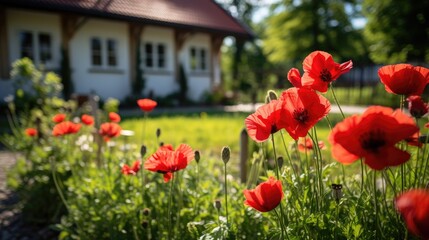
4, 51
244, 154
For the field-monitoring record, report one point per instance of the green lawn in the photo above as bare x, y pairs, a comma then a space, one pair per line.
209, 133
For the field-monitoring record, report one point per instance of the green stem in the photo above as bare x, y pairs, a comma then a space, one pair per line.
281, 218
170, 200
226, 194
336, 101
57, 186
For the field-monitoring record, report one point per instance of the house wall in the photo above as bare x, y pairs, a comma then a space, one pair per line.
18, 21
104, 81
112, 81
198, 81
159, 82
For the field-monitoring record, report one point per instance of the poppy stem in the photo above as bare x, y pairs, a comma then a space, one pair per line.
281, 218
170, 199
144, 128
226, 194
336, 101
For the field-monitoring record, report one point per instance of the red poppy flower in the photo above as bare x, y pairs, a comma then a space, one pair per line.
59, 117
320, 70
114, 117
414, 140
303, 108
31, 132
167, 162
306, 144
372, 136
267, 119
110, 130
266, 196
417, 107
414, 208
146, 104
64, 128
404, 79
127, 170
294, 77
87, 119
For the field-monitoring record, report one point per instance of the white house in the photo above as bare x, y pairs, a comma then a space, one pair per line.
100, 40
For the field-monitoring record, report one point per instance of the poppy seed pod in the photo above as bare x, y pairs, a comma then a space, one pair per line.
267, 99
197, 156
226, 153
143, 150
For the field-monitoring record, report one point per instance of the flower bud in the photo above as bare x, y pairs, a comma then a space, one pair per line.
217, 204
226, 152
143, 150
272, 95
146, 211
197, 156
336, 191
145, 224
158, 132
280, 161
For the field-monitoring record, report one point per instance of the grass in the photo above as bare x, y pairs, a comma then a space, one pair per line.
209, 133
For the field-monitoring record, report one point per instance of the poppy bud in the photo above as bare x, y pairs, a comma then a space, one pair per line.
217, 204
197, 156
280, 161
146, 211
417, 107
158, 132
336, 191
143, 150
272, 95
226, 152
267, 99
145, 224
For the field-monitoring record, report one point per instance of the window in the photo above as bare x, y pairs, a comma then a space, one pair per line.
148, 55
155, 56
45, 53
198, 59
104, 52
96, 52
36, 46
161, 56
111, 52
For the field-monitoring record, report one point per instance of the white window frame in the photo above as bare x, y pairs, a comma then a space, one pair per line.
105, 54
36, 48
155, 55
198, 59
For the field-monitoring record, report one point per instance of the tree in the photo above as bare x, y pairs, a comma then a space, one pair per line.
397, 31
296, 28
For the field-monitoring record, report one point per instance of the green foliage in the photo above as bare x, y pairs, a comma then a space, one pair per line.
295, 29
397, 31
183, 85
66, 73
139, 82
111, 105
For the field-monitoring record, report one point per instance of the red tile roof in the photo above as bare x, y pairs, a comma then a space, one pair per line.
202, 15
